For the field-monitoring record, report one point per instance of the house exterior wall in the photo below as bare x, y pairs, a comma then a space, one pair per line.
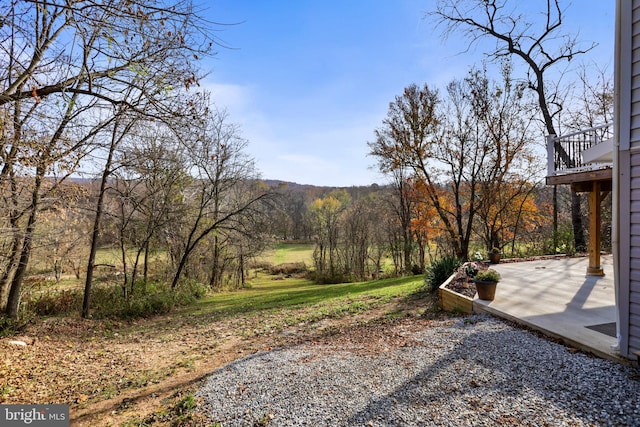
627, 174
634, 252
634, 124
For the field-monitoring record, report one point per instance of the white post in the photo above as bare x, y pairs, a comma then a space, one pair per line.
551, 167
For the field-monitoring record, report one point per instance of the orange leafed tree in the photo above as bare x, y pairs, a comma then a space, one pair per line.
461, 148
513, 212
426, 225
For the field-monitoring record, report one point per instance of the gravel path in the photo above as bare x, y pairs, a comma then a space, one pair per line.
473, 370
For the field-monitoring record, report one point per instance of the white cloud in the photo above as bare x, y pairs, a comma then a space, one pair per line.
309, 144
233, 97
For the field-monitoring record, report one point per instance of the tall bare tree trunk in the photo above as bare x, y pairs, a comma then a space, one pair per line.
14, 255
13, 301
95, 234
42, 164
576, 221
94, 242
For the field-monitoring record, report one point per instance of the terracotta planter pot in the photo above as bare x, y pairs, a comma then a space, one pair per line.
494, 258
486, 290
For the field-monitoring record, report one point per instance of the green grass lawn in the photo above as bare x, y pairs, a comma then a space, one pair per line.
308, 300
295, 299
290, 252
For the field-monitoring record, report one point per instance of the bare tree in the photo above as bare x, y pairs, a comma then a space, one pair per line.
506, 180
48, 148
67, 68
541, 47
94, 48
290, 220
62, 233
225, 193
414, 135
402, 204
325, 213
122, 124
356, 224
157, 167
594, 99
461, 149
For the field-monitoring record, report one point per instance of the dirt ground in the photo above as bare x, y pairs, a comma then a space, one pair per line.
141, 372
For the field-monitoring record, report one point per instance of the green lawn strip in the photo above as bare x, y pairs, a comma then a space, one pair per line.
269, 295
272, 306
269, 306
290, 252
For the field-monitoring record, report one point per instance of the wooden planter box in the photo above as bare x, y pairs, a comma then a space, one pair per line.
453, 301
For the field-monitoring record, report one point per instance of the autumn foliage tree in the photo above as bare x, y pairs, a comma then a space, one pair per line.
461, 149
414, 136
511, 167
512, 213
541, 46
325, 213
425, 225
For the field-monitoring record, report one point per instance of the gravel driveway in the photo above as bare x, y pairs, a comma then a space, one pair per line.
468, 371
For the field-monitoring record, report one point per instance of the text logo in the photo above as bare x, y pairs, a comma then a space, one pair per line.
34, 415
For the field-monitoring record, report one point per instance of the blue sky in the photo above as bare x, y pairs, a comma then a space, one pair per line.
309, 81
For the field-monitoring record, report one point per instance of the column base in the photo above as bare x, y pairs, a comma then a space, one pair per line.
595, 271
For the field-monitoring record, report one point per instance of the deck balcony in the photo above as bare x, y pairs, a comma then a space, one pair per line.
582, 156
584, 160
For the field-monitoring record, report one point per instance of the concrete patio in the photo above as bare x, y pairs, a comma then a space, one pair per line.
556, 297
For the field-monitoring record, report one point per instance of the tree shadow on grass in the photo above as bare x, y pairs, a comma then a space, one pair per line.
290, 296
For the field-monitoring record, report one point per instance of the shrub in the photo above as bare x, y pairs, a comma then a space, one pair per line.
439, 271
489, 275
107, 301
53, 303
416, 269
155, 298
260, 265
564, 240
329, 279
10, 326
145, 307
289, 268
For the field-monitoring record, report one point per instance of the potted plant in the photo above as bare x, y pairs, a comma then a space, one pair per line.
494, 255
486, 282
471, 269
